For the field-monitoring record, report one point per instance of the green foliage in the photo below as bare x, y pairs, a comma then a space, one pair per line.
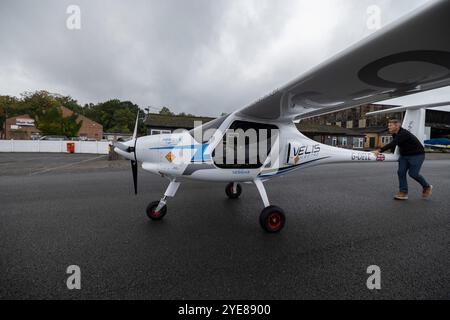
45, 108
166, 111
8, 106
52, 122
114, 115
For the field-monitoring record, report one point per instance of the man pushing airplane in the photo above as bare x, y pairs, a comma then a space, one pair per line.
412, 156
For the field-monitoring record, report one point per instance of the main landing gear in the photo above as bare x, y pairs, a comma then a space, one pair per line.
272, 218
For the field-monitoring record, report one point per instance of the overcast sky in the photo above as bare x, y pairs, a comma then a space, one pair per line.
196, 56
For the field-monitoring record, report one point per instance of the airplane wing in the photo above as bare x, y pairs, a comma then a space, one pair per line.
409, 56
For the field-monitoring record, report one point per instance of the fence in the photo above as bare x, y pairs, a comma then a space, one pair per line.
93, 147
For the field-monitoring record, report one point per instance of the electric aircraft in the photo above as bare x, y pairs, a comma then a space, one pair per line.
409, 56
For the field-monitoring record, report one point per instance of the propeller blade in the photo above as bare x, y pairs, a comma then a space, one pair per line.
134, 168
121, 146
136, 126
129, 149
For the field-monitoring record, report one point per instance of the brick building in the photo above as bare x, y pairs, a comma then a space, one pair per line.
23, 127
20, 128
89, 128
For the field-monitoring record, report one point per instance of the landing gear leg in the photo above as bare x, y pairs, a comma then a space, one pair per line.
272, 218
156, 210
233, 190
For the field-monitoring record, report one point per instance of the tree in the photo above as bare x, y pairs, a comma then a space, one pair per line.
116, 116
36, 103
52, 122
69, 103
166, 111
8, 107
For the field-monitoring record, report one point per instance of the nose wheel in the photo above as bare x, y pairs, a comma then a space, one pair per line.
154, 213
272, 219
233, 190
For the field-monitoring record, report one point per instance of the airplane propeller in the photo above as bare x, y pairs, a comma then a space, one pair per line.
134, 164
128, 150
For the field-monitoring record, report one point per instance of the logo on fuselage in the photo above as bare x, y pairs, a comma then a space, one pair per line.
305, 152
170, 157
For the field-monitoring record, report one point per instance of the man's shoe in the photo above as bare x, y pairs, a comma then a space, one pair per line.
427, 192
401, 196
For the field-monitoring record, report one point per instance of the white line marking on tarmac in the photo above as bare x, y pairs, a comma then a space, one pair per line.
66, 165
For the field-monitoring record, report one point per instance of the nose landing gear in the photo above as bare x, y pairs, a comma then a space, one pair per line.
233, 190
154, 213
156, 210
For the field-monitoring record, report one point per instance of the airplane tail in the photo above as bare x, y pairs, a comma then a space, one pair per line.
414, 120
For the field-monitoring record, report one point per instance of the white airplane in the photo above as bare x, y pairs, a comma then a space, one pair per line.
409, 56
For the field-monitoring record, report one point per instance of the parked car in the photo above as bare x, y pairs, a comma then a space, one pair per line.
54, 138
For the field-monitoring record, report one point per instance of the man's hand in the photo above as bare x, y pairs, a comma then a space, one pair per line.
376, 152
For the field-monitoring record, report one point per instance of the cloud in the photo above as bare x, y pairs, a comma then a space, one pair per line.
197, 56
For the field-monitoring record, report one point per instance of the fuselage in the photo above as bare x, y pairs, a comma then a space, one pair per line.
190, 155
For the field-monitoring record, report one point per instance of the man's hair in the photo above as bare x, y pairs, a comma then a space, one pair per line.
394, 121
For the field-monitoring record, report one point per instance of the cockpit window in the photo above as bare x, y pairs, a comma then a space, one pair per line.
245, 145
206, 131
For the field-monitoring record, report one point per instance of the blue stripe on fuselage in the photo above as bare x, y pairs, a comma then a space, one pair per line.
198, 155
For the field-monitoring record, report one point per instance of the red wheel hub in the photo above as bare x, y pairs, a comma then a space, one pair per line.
156, 213
274, 220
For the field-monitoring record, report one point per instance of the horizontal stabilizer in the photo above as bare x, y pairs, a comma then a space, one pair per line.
402, 109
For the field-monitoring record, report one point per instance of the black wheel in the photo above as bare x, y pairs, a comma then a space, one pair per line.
230, 193
156, 215
272, 219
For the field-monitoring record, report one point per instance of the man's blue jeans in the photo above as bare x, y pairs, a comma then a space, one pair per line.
413, 164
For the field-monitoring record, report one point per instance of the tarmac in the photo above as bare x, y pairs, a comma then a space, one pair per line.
58, 210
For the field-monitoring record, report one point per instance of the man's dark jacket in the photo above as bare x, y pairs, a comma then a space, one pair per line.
408, 144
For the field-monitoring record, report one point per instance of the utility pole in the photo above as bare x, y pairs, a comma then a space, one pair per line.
6, 117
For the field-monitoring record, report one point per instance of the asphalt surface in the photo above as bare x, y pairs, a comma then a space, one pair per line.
341, 219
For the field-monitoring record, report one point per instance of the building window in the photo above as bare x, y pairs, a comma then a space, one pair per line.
344, 141
358, 143
386, 140
334, 141
362, 123
157, 131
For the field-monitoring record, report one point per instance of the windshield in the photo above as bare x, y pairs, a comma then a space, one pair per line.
207, 130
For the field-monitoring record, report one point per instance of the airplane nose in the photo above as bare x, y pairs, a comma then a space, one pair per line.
126, 149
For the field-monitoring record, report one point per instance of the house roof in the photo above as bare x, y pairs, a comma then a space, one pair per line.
185, 122
22, 116
326, 129
371, 130
86, 121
